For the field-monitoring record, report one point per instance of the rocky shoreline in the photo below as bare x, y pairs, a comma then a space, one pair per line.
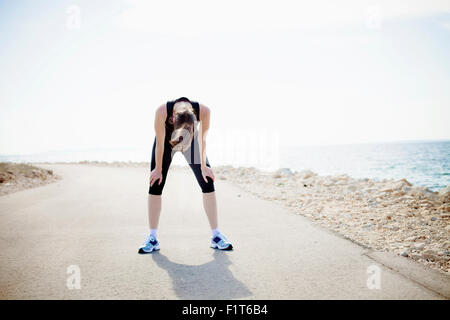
385, 215
17, 176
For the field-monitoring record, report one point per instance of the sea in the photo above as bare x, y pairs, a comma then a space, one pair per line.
423, 163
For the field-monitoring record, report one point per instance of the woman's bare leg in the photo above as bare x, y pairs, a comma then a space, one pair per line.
210, 206
218, 240
154, 210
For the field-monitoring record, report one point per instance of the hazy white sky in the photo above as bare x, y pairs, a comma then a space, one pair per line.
89, 74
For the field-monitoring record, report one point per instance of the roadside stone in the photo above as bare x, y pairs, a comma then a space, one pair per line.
429, 254
419, 246
444, 194
416, 256
306, 174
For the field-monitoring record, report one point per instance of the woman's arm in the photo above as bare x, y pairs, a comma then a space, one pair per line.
160, 132
204, 127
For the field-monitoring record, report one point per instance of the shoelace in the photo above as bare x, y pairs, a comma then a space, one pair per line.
222, 238
149, 238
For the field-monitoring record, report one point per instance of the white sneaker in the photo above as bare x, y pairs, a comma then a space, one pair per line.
219, 241
151, 244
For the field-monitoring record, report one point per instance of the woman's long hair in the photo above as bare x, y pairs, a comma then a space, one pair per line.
183, 123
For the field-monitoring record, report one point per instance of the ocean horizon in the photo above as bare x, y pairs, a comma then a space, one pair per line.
423, 163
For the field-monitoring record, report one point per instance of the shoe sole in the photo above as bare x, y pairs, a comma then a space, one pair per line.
215, 246
142, 251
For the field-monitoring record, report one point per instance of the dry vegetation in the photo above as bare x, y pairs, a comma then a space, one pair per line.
18, 176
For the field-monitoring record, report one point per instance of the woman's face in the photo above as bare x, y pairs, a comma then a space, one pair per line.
184, 135
183, 120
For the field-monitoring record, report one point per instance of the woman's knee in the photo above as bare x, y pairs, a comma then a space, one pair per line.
155, 191
157, 187
208, 187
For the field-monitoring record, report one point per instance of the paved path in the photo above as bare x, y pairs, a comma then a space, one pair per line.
96, 217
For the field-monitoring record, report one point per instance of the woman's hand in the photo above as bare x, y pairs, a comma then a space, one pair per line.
155, 175
207, 172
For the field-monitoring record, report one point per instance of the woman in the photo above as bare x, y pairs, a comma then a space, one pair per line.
176, 130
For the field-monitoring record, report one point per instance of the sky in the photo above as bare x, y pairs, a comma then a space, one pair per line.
90, 74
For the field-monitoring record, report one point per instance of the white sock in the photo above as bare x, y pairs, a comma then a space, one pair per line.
215, 231
153, 232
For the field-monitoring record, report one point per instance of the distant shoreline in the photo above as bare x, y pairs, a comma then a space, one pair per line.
147, 164
422, 162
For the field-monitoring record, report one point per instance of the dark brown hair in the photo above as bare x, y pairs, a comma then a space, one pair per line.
183, 123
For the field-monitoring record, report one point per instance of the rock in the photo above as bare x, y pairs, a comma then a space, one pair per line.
416, 256
419, 246
368, 227
403, 182
396, 186
422, 192
393, 227
372, 203
444, 215
444, 194
404, 254
5, 176
429, 254
370, 190
413, 238
283, 172
306, 174
433, 218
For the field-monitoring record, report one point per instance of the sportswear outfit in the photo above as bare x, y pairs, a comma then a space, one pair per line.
192, 156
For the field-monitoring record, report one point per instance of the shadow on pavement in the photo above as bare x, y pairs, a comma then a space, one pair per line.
211, 280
